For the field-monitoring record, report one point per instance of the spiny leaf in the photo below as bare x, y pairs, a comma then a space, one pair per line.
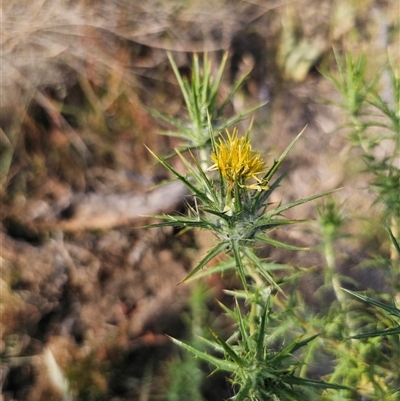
380, 333
229, 350
221, 267
266, 223
235, 88
182, 85
237, 294
206, 85
217, 83
239, 117
281, 209
262, 196
206, 180
229, 312
391, 309
313, 383
201, 178
239, 263
249, 253
395, 242
223, 215
294, 346
180, 221
261, 335
210, 255
242, 326
173, 121
197, 224
180, 177
279, 244
276, 165
220, 364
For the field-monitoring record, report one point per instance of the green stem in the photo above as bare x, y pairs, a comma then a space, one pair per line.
253, 314
336, 283
395, 228
203, 154
308, 358
254, 298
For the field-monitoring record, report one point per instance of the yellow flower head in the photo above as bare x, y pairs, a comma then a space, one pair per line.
237, 162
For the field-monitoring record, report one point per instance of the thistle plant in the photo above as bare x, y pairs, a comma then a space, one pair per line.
235, 211
373, 119
372, 336
204, 108
388, 317
231, 187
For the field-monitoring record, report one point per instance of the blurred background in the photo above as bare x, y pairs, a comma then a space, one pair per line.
87, 295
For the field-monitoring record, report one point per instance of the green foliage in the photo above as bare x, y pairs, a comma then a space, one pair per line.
329, 216
237, 217
369, 361
240, 215
373, 121
200, 94
185, 379
184, 372
258, 371
392, 310
276, 339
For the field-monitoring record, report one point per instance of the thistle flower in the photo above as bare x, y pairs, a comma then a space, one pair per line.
237, 162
